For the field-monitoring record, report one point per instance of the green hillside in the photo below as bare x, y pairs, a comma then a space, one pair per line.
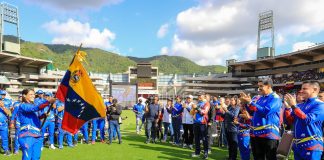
176, 64
107, 62
99, 60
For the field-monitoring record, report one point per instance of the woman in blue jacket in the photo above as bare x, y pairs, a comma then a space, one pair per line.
30, 138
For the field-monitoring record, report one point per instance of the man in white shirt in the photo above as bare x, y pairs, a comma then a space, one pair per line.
187, 122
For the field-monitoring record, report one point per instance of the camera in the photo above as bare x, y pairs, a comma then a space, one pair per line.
149, 100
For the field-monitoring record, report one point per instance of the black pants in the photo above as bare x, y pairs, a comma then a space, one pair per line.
159, 132
212, 129
200, 132
263, 148
176, 124
188, 133
232, 142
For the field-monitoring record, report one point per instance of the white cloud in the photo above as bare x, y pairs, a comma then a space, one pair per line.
203, 53
162, 31
75, 32
250, 52
228, 28
302, 45
280, 39
68, 5
164, 51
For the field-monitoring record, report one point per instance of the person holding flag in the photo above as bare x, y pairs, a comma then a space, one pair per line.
30, 135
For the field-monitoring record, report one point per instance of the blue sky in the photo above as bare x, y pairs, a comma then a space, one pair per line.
205, 31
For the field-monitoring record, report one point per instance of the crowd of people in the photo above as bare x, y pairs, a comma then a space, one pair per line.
248, 124
25, 120
299, 77
241, 123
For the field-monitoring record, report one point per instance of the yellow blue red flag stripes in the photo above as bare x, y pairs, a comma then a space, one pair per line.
82, 101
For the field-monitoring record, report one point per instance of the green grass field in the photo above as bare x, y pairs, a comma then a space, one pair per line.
132, 148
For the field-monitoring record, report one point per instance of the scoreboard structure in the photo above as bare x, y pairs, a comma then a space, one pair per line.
145, 76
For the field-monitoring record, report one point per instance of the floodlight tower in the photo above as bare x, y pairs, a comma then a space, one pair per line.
9, 14
266, 24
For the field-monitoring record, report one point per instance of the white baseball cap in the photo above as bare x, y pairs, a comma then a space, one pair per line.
190, 96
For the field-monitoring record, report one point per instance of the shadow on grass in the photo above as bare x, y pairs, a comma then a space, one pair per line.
166, 149
175, 152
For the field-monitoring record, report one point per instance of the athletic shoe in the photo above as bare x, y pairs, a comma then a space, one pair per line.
7, 153
205, 156
52, 146
193, 155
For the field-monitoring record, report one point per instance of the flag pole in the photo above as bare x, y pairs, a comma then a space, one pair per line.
76, 53
51, 106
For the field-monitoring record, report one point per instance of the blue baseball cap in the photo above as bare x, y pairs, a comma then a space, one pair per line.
40, 92
48, 94
3, 92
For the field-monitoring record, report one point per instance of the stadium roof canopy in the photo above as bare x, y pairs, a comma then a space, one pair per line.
20, 64
306, 59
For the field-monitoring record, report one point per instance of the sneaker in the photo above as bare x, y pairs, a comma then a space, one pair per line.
93, 142
52, 146
209, 151
60, 147
16, 152
190, 146
42, 148
184, 146
75, 143
102, 141
7, 153
147, 141
71, 146
193, 155
205, 156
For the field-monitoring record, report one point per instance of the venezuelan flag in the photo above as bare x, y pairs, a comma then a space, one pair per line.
82, 101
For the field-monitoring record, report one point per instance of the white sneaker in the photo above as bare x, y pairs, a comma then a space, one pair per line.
52, 146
